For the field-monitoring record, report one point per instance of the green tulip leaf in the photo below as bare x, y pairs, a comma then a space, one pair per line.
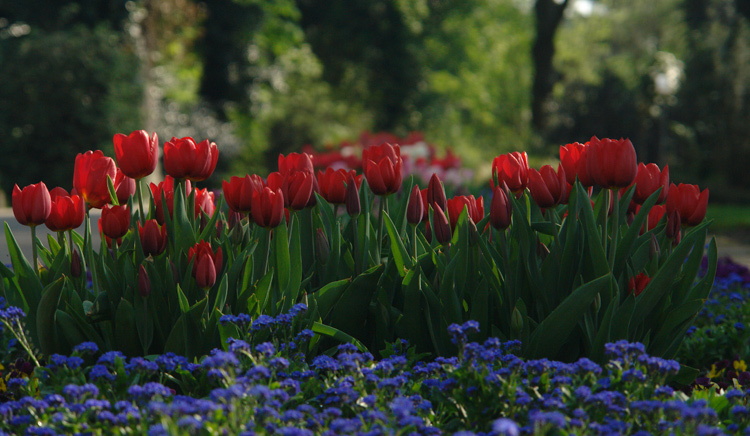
552, 333
400, 255
45, 316
337, 334
125, 327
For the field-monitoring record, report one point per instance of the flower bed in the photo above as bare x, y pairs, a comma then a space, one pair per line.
593, 265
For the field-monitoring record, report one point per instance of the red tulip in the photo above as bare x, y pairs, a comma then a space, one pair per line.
689, 201
295, 162
124, 187
415, 209
501, 209
648, 179
268, 207
353, 206
238, 192
674, 224
333, 184
67, 211
115, 221
167, 188
474, 207
611, 163
638, 283
136, 154
426, 207
547, 187
204, 201
206, 263
90, 177
33, 205
184, 159
383, 168
573, 158
511, 168
153, 237
144, 282
75, 264
442, 226
297, 187
655, 214
436, 193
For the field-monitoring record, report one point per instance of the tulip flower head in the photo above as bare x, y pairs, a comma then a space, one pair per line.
332, 184
573, 158
648, 179
144, 282
153, 237
383, 168
436, 192
637, 284
124, 187
442, 228
204, 201
474, 207
115, 221
136, 153
689, 201
611, 163
547, 187
415, 209
32, 205
511, 168
90, 177
268, 207
206, 263
501, 209
353, 206
238, 192
184, 159
67, 211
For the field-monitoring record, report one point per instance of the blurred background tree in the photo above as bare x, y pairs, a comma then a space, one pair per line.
262, 77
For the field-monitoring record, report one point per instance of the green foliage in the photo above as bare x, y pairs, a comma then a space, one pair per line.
63, 93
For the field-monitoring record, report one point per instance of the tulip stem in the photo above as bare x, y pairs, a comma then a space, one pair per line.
264, 267
355, 246
414, 251
615, 228
90, 253
33, 252
139, 194
380, 229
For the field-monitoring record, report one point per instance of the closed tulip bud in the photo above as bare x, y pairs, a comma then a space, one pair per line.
516, 321
501, 209
144, 283
153, 237
268, 207
436, 193
75, 264
416, 208
653, 249
322, 249
674, 223
136, 153
353, 207
206, 263
32, 205
175, 273
115, 221
442, 228
596, 305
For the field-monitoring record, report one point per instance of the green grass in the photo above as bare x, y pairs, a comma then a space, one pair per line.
728, 217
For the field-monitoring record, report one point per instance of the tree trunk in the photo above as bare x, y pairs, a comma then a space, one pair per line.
549, 14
